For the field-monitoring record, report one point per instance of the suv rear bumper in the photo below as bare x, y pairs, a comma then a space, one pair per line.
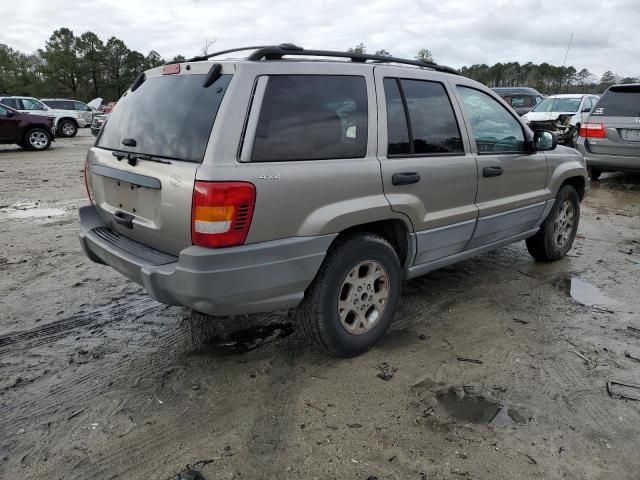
228, 281
613, 162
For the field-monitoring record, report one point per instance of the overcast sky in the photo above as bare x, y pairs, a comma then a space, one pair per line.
458, 32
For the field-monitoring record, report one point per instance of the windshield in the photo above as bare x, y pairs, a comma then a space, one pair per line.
556, 104
167, 116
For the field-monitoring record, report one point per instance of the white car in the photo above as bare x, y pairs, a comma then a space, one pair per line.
562, 114
69, 104
66, 122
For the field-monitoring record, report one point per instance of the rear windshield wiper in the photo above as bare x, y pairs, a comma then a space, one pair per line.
132, 158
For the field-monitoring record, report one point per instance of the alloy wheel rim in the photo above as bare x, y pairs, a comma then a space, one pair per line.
67, 128
563, 224
363, 297
38, 140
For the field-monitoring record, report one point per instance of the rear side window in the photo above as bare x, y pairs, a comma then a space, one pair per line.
312, 117
420, 119
622, 101
12, 102
168, 116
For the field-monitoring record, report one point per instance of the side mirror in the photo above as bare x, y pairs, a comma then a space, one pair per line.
544, 140
10, 113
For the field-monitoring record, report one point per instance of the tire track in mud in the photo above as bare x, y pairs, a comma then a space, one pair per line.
268, 437
59, 329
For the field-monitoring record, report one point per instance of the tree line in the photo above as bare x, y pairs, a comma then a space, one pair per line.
86, 67
83, 67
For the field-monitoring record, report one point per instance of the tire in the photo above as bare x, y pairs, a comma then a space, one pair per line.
67, 128
594, 173
557, 232
362, 274
36, 139
575, 134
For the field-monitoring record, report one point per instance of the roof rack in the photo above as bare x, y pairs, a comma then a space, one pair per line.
276, 52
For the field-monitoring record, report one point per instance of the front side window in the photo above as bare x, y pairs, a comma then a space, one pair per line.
420, 118
81, 107
29, 104
494, 128
312, 117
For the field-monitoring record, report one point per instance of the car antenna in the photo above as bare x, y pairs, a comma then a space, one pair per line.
566, 55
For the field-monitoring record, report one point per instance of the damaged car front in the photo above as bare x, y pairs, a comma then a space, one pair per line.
561, 114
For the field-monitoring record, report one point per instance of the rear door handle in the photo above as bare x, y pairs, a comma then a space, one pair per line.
492, 171
405, 178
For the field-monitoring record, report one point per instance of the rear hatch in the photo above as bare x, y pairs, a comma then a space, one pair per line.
141, 172
619, 111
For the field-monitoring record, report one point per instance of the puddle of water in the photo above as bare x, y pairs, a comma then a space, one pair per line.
37, 213
478, 409
243, 341
586, 294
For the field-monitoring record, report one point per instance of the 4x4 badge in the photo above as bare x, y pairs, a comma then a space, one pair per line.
269, 177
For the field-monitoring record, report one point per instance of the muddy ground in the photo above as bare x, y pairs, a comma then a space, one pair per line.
491, 371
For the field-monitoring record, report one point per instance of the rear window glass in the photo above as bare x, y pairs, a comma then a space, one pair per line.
312, 117
615, 103
518, 101
169, 116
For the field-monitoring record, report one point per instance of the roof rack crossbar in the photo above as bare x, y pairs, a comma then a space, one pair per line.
276, 52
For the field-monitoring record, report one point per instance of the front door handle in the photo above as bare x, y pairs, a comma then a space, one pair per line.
492, 171
405, 178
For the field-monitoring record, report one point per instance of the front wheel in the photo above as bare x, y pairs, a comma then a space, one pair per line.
354, 297
36, 139
67, 128
557, 232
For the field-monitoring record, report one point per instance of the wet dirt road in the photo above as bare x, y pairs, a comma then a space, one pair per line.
491, 371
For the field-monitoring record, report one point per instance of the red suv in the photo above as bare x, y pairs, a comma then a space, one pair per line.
33, 132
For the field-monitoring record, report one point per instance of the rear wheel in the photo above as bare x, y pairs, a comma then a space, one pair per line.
354, 297
557, 232
594, 173
36, 139
67, 128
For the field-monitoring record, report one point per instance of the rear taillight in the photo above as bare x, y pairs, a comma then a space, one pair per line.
593, 130
221, 213
86, 173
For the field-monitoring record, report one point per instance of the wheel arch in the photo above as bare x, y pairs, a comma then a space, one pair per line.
395, 231
577, 182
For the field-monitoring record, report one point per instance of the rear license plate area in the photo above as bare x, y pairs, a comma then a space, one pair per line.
630, 134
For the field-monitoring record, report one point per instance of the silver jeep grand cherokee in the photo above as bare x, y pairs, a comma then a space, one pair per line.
250, 185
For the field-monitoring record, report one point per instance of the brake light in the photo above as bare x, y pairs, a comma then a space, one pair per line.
221, 213
86, 173
171, 69
593, 130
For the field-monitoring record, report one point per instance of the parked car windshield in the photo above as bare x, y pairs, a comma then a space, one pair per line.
619, 102
168, 116
555, 104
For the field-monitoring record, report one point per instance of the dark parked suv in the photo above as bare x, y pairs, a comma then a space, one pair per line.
521, 99
610, 140
33, 132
